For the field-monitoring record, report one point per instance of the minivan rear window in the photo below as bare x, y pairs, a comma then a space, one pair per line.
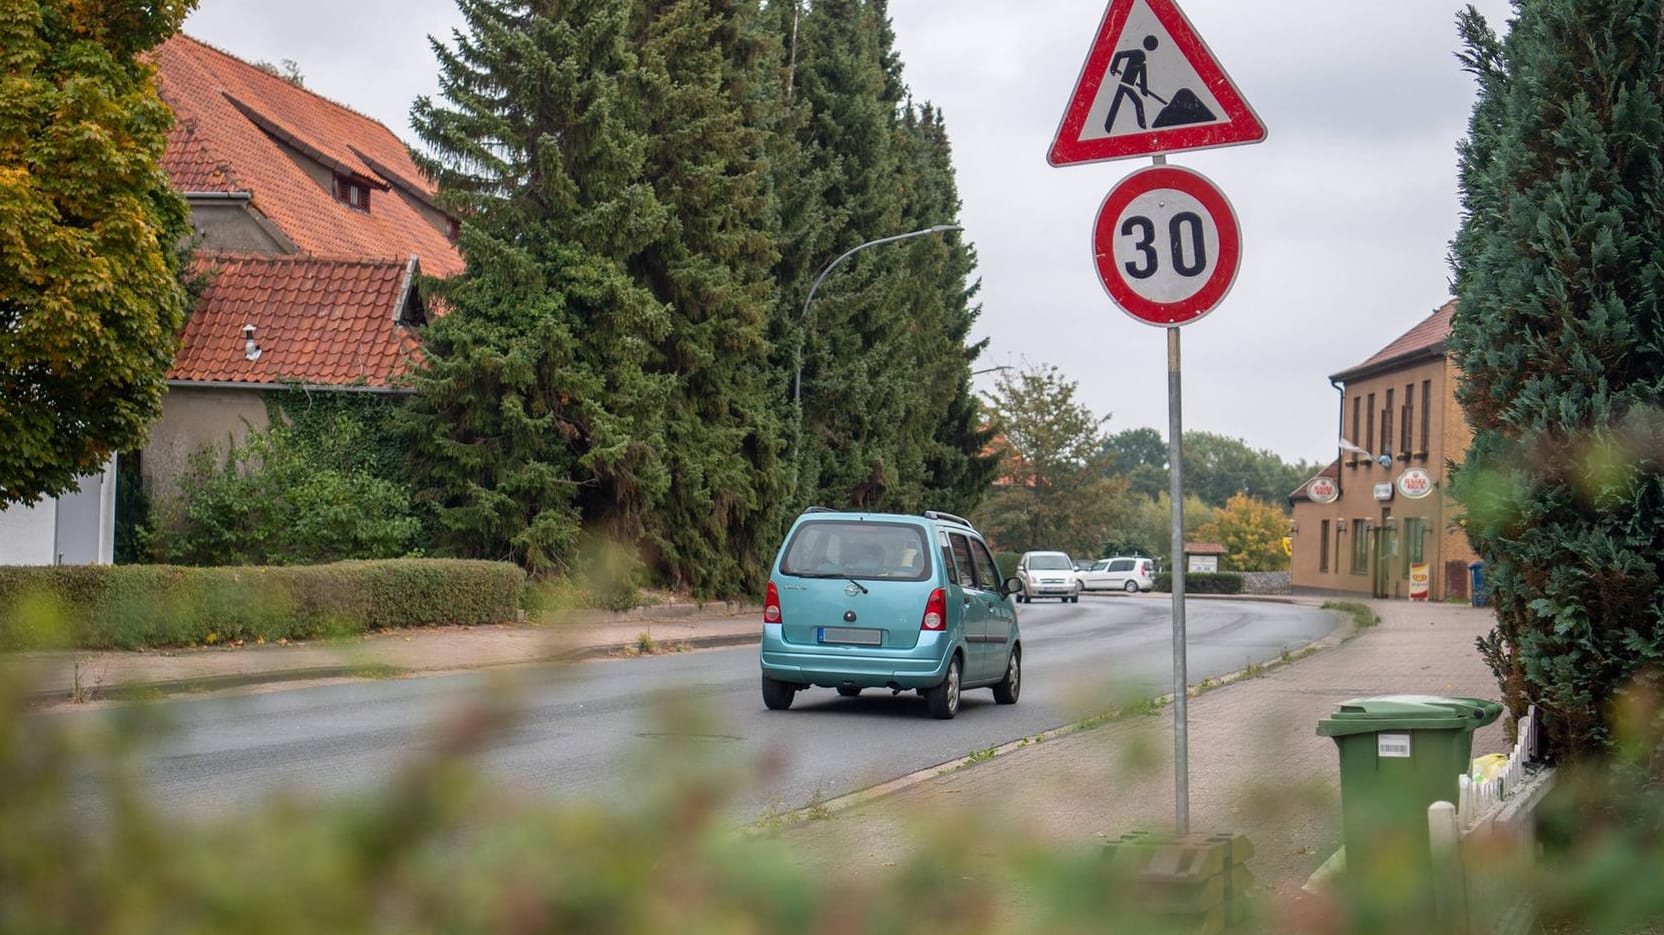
831, 549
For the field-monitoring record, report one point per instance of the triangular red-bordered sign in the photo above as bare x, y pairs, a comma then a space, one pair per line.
1079, 141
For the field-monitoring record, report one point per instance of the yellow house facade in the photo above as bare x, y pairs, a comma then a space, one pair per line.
1379, 521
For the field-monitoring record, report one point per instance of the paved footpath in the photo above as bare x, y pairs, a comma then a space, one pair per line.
1256, 763
419, 651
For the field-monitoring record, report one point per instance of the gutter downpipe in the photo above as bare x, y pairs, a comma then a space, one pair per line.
1340, 432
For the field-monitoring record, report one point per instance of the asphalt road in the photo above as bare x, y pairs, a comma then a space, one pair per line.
596, 729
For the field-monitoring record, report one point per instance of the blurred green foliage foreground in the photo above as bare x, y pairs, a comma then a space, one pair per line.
447, 847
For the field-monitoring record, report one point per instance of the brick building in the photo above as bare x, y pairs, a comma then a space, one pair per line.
1382, 508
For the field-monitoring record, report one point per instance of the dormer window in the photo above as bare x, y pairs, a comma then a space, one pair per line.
453, 230
352, 192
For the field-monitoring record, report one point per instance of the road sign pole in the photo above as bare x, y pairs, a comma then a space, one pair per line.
1181, 680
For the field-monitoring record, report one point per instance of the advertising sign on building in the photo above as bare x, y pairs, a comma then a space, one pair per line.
1421, 581
1415, 483
1383, 491
1322, 490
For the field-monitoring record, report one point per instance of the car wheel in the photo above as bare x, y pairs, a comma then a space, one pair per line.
1007, 690
849, 691
777, 696
944, 698
1132, 587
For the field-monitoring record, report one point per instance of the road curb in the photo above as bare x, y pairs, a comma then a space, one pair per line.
1345, 629
216, 683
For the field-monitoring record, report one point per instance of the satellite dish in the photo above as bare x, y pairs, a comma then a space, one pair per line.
1384, 460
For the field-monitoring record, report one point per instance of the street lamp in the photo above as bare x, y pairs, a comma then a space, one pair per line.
803, 332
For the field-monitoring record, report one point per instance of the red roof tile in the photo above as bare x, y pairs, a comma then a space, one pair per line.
189, 164
1427, 336
318, 321
236, 118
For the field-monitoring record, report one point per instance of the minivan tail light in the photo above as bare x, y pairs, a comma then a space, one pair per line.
771, 605
935, 611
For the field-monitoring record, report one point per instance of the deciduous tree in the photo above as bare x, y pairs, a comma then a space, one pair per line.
90, 232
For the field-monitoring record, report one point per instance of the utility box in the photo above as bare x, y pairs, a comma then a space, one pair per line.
1398, 755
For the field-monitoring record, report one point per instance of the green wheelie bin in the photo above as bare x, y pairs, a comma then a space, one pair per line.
1398, 755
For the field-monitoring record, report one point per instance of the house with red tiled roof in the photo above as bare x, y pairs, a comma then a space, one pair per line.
1378, 521
312, 225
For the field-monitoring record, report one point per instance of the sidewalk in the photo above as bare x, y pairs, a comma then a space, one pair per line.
1256, 764
94, 674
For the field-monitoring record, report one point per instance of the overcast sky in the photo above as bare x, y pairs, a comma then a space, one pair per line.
1346, 210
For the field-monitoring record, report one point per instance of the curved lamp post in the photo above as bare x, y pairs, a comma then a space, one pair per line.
803, 321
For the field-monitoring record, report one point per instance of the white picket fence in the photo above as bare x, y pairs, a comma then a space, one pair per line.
1483, 846
1477, 798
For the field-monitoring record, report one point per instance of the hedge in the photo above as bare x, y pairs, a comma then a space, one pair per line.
138, 606
1225, 582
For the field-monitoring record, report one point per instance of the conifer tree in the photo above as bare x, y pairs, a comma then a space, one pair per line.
1560, 336
539, 410
699, 96
883, 327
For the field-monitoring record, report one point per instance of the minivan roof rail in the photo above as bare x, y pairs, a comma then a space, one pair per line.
948, 517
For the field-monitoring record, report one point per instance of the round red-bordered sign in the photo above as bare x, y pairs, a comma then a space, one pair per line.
1166, 245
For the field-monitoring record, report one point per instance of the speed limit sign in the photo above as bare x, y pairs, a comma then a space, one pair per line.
1167, 245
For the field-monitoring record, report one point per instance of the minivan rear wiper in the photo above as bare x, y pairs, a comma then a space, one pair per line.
810, 574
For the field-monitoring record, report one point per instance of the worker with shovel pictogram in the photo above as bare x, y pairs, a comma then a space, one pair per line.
1132, 67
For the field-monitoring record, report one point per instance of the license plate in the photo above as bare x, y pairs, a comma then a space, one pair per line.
850, 635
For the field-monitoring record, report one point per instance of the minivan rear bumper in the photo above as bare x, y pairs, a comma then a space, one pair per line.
922, 666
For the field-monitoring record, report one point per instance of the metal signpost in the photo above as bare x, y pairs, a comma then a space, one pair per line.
1166, 244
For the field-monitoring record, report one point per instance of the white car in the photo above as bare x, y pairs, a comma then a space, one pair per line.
1121, 574
1047, 574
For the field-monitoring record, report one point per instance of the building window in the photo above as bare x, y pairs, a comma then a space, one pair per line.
1357, 429
1386, 425
1369, 428
352, 193
1323, 548
1426, 415
1360, 546
1409, 413
1414, 530
453, 230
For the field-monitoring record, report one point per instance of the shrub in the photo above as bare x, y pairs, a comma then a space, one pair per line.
1007, 561
137, 606
286, 497
1225, 582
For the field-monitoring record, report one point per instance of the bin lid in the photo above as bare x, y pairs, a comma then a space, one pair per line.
1408, 712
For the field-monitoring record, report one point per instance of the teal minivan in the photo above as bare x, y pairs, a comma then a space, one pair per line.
886, 600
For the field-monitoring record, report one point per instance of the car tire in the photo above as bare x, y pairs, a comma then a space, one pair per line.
849, 691
1011, 686
943, 699
777, 696
1132, 587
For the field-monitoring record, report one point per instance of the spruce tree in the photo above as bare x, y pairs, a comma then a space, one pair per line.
539, 409
1560, 336
884, 355
958, 466
699, 98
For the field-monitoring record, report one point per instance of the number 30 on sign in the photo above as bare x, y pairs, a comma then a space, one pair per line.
1167, 246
